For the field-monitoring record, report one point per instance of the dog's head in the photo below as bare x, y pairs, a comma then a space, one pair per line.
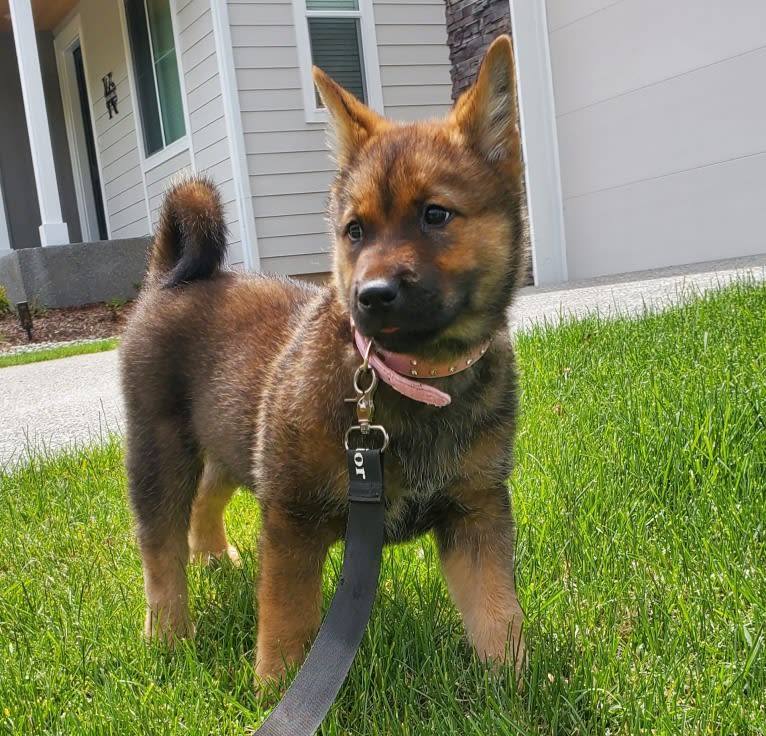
429, 239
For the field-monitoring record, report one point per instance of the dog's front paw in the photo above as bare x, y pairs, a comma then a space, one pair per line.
205, 555
504, 652
270, 669
269, 688
168, 624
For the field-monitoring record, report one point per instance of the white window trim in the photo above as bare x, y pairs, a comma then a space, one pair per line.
370, 60
184, 142
165, 154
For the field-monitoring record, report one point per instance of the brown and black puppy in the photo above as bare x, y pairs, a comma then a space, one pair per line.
236, 380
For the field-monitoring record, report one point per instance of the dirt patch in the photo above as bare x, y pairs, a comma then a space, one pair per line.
91, 321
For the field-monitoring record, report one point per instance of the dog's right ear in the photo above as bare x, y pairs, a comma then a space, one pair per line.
486, 113
353, 123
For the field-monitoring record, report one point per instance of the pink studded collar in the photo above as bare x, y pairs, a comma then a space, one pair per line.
399, 371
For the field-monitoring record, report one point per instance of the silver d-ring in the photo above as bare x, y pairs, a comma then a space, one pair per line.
373, 380
375, 427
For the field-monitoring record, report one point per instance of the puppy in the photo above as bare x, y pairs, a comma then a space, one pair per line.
240, 380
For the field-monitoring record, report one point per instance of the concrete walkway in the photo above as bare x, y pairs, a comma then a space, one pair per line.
50, 405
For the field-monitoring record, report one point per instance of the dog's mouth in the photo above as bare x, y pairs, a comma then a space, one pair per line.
397, 339
403, 317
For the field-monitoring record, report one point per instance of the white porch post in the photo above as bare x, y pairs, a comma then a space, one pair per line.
53, 230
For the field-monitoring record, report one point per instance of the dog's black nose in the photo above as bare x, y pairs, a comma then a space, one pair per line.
377, 296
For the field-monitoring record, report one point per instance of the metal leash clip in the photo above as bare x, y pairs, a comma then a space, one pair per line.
365, 406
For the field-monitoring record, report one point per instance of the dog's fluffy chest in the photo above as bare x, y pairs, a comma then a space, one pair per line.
421, 466
410, 515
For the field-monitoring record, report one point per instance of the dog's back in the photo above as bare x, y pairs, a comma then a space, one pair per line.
201, 340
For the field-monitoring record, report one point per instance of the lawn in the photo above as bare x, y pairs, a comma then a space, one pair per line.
640, 497
38, 355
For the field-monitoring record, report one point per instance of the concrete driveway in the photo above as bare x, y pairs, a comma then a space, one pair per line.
46, 406
77, 400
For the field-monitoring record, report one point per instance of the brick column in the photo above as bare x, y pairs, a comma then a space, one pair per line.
471, 27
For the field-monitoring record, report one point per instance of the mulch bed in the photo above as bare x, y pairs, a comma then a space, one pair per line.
88, 322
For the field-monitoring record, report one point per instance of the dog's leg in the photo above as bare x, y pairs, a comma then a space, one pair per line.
207, 535
476, 550
167, 614
163, 471
289, 592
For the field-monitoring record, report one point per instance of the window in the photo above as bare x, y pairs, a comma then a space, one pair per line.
152, 44
336, 46
338, 36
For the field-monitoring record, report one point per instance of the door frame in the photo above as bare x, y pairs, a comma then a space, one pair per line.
68, 37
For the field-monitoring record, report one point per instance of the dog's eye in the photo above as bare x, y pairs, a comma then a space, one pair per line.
354, 231
436, 216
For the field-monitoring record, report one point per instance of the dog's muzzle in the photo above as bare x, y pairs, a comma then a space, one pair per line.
378, 297
378, 305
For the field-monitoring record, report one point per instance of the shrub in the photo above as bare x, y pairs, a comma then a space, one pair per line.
5, 305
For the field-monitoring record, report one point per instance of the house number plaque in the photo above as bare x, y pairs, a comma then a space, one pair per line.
110, 95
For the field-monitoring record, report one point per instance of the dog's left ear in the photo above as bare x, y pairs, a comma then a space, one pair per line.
353, 123
486, 113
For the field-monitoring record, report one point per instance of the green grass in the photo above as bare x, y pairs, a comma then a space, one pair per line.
640, 496
63, 351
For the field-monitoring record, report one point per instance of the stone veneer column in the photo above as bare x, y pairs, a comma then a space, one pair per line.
471, 26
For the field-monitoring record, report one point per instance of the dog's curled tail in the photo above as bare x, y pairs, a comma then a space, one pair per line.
190, 241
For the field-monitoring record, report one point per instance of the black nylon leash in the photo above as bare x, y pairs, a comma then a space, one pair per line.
315, 687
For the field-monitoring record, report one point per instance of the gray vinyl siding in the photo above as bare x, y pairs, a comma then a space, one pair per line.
210, 147
133, 186
159, 178
414, 59
288, 162
289, 166
116, 139
660, 117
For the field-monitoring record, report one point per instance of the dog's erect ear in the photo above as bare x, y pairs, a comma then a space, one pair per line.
486, 113
353, 122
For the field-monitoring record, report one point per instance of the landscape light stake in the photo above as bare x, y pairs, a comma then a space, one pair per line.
25, 318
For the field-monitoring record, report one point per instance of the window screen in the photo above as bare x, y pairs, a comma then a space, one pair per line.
336, 49
156, 72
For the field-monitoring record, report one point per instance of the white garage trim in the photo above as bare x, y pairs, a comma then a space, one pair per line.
540, 140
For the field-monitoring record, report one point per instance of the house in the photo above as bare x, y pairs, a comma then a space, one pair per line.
116, 97
644, 125
642, 120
